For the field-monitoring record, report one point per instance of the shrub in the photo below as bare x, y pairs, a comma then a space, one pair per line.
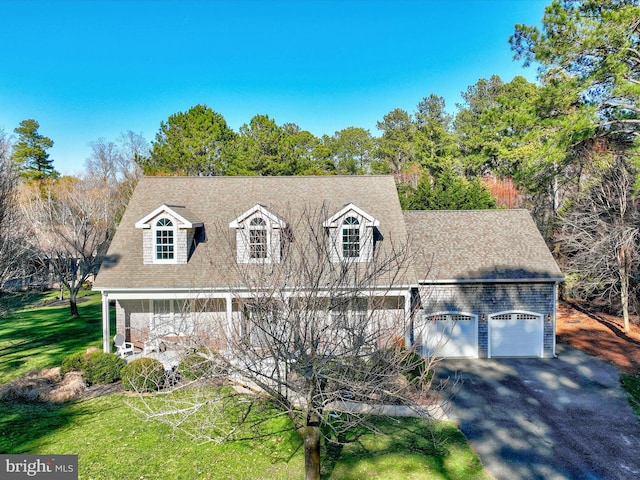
73, 363
414, 366
102, 368
195, 366
96, 366
143, 375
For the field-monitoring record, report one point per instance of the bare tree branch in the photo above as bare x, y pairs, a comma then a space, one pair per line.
73, 220
600, 237
322, 340
15, 247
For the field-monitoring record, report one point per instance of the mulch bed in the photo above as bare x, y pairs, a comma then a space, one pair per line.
599, 334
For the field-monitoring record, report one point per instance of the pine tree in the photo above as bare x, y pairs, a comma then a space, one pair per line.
30, 152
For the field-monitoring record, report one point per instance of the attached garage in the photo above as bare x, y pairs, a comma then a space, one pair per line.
495, 266
516, 334
449, 335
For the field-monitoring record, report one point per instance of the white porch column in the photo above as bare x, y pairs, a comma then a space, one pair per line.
229, 307
408, 311
106, 327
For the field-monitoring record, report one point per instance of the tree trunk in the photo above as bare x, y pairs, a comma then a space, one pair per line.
73, 304
623, 269
624, 298
311, 437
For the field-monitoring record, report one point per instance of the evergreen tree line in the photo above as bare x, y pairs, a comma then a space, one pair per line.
561, 147
420, 149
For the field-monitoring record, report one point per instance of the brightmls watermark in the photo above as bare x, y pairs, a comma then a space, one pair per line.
46, 467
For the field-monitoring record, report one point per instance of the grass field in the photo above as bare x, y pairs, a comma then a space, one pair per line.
36, 336
113, 442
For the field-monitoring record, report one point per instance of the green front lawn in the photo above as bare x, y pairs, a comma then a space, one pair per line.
36, 337
113, 442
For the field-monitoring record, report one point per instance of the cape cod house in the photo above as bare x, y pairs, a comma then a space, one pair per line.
480, 283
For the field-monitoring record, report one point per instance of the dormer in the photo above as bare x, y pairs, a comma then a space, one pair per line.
351, 233
167, 235
258, 236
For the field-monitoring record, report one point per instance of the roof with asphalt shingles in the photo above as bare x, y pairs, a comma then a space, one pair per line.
217, 201
468, 245
500, 245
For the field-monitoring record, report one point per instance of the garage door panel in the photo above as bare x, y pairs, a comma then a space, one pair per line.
515, 335
450, 336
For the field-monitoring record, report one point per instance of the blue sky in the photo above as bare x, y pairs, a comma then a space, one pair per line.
91, 69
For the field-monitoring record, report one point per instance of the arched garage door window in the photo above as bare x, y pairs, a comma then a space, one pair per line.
516, 334
448, 334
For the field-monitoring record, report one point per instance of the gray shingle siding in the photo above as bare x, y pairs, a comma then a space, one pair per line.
148, 247
485, 299
182, 245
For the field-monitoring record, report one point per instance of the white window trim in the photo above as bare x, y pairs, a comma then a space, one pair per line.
351, 211
347, 239
162, 211
154, 232
246, 238
263, 227
243, 223
366, 225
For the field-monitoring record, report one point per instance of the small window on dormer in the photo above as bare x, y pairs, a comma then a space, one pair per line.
169, 235
258, 238
165, 240
352, 234
351, 238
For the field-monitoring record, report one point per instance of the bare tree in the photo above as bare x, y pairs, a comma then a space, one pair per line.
600, 237
114, 165
72, 219
322, 340
15, 247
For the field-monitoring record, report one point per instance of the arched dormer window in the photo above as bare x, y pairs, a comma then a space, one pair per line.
165, 240
351, 234
351, 237
168, 235
258, 247
258, 236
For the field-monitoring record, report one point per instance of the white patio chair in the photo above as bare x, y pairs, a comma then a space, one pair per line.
151, 345
122, 348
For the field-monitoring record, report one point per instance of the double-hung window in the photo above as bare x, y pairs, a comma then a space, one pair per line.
165, 240
351, 238
257, 238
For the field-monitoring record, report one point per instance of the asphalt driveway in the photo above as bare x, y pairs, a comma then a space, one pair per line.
564, 418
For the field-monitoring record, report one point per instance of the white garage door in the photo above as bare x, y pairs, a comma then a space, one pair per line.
515, 335
449, 335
